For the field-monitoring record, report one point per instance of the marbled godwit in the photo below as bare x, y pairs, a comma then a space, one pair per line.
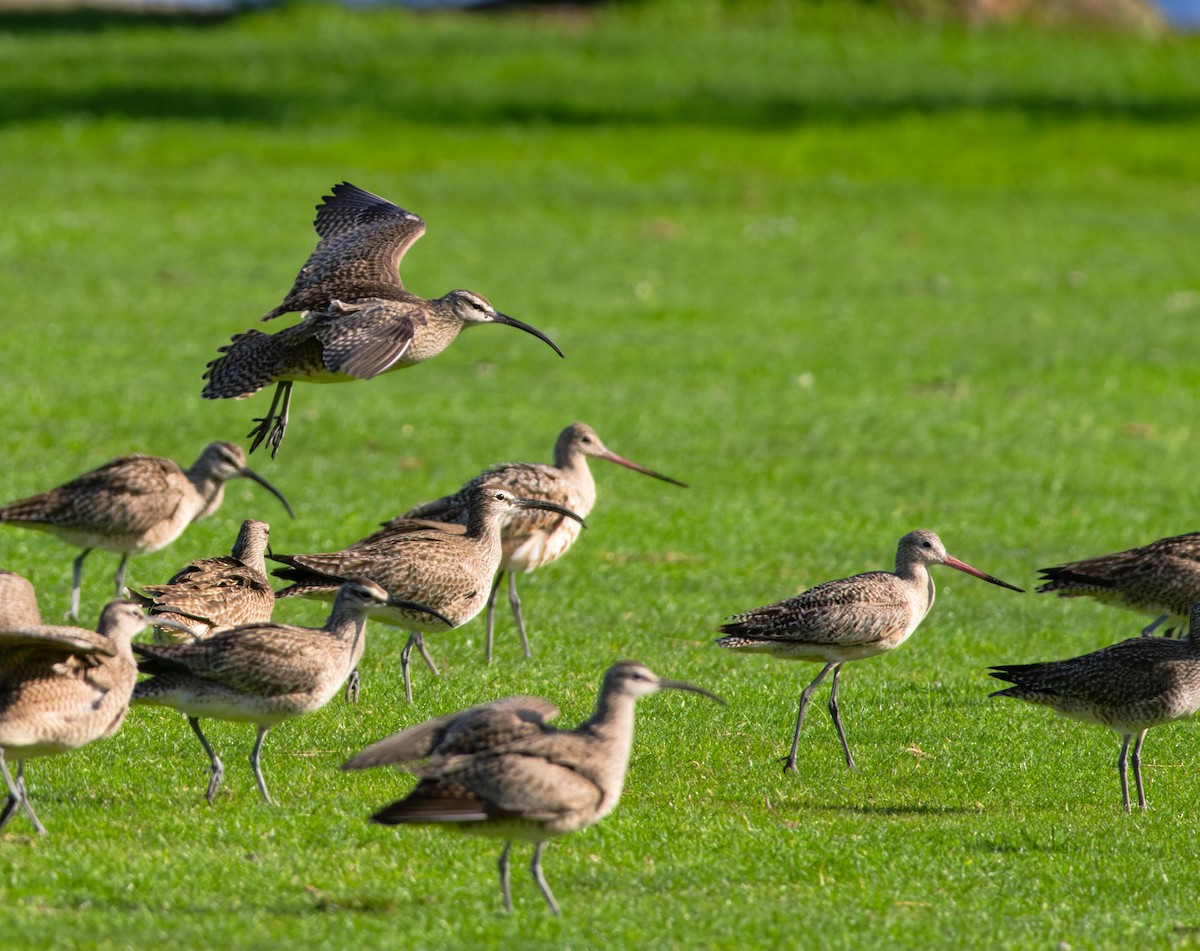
1128, 687
1161, 579
260, 673
443, 567
358, 321
532, 538
847, 619
213, 594
499, 770
133, 504
62, 687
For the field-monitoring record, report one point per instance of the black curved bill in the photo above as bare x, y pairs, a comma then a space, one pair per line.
549, 507
254, 476
691, 688
419, 609
521, 325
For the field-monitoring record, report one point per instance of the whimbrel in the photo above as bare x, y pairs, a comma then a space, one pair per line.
532, 538
442, 567
847, 619
1161, 579
358, 320
259, 673
62, 687
133, 504
1129, 687
499, 769
212, 594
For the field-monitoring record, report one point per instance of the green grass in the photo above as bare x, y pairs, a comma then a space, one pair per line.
845, 274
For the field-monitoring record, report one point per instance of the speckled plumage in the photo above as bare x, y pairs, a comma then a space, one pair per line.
258, 673
18, 603
133, 504
1129, 687
445, 568
60, 688
847, 619
212, 594
499, 770
1161, 579
358, 320
531, 538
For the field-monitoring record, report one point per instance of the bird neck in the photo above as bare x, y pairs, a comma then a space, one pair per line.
917, 576
611, 727
209, 488
483, 522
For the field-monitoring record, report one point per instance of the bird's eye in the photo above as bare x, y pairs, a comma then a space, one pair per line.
926, 544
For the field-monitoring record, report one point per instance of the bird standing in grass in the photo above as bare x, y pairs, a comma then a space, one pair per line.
62, 687
212, 594
133, 504
260, 673
500, 770
531, 538
358, 320
1129, 687
847, 619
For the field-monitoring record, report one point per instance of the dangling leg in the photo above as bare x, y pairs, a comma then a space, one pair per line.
263, 429
837, 722
352, 686
491, 615
536, 867
254, 764
121, 575
1150, 628
281, 420
10, 804
76, 584
504, 889
790, 761
1121, 770
217, 768
515, 602
1136, 759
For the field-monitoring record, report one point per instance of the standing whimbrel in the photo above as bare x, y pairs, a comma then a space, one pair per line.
259, 673
133, 504
62, 687
532, 537
443, 567
847, 619
499, 770
1161, 579
213, 594
1128, 687
358, 320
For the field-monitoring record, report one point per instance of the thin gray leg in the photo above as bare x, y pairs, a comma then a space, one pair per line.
254, 764
491, 616
18, 796
514, 601
504, 889
217, 768
1150, 628
536, 868
429, 661
1136, 759
1121, 769
790, 761
352, 686
281, 420
76, 584
837, 721
404, 657
121, 575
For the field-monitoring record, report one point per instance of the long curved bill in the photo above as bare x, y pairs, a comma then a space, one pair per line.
690, 688
255, 477
622, 461
549, 507
419, 609
963, 566
521, 325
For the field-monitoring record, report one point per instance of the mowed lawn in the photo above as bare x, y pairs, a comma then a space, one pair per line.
845, 274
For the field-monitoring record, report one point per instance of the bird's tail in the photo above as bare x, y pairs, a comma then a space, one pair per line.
249, 362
